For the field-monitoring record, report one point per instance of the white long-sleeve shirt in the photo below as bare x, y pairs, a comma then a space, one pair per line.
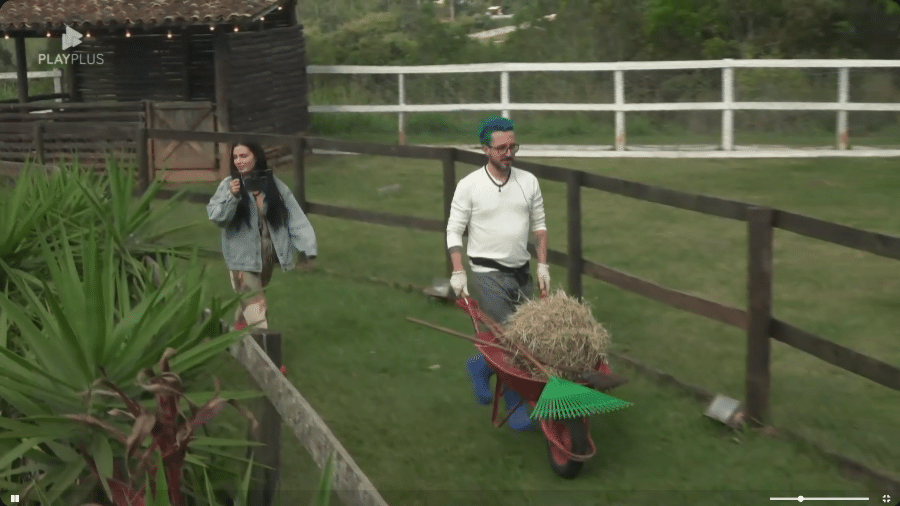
498, 221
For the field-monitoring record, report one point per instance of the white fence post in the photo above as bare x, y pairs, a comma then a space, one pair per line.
401, 116
727, 102
843, 136
619, 79
57, 83
504, 92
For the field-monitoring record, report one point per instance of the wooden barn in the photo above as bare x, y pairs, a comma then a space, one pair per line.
218, 65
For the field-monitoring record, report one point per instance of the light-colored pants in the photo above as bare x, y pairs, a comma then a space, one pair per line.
253, 309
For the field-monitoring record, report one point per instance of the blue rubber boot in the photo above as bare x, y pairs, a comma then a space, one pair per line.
519, 420
480, 374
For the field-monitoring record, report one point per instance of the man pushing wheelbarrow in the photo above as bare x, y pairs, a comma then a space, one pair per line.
499, 204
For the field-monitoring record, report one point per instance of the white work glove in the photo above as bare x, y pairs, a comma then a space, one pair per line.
458, 283
543, 275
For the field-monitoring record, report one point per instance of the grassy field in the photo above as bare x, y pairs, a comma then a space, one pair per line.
420, 438
688, 128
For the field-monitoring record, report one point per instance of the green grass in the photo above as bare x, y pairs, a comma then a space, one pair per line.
588, 129
420, 438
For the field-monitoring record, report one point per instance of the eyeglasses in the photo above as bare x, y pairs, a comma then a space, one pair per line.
503, 149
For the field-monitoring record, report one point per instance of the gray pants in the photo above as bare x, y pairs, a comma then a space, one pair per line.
500, 293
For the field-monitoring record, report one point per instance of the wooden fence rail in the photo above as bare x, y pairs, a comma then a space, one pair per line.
756, 320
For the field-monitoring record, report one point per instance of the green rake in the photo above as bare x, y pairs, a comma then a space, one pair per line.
560, 398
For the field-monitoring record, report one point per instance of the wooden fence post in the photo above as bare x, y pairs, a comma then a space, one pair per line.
759, 312
264, 486
573, 215
297, 148
143, 160
449, 161
39, 142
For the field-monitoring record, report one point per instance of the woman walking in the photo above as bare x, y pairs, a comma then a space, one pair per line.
261, 222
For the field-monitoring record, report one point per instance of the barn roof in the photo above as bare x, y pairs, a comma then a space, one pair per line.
56, 14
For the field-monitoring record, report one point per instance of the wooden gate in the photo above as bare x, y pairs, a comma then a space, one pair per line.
184, 161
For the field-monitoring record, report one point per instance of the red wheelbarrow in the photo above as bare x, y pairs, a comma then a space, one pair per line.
569, 443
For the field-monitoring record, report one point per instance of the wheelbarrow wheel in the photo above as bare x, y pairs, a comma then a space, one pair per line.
572, 434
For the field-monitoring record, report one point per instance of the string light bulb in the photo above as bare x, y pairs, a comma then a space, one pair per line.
87, 34
280, 7
235, 28
262, 18
212, 27
48, 34
170, 34
5, 35
127, 33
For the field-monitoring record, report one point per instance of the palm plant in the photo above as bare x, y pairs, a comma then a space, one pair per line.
85, 325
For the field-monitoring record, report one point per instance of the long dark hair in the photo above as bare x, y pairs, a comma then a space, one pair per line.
276, 213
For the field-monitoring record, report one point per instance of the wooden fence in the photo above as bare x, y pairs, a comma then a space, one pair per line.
756, 319
51, 131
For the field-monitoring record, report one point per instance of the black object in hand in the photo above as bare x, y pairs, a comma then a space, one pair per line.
254, 182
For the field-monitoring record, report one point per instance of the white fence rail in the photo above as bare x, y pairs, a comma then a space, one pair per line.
727, 105
55, 74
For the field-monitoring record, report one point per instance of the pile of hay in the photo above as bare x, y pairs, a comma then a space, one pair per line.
560, 332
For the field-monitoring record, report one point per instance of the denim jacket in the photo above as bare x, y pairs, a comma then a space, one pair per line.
242, 245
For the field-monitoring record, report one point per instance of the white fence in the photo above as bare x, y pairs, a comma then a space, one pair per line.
727, 105
55, 74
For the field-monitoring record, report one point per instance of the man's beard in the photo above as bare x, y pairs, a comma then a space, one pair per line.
502, 165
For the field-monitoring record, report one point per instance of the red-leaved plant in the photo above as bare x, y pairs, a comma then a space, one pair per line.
169, 430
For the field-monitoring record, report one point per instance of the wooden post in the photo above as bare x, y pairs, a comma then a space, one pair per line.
843, 136
449, 161
186, 63
619, 80
57, 83
504, 93
727, 111
71, 82
223, 117
298, 148
264, 486
401, 116
21, 69
573, 215
759, 312
143, 160
39, 142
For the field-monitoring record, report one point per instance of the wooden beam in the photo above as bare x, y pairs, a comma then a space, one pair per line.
143, 160
223, 99
21, 69
378, 218
266, 478
298, 148
862, 240
674, 298
186, 62
575, 265
713, 206
847, 359
349, 482
759, 311
449, 187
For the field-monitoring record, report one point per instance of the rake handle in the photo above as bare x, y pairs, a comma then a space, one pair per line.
457, 334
